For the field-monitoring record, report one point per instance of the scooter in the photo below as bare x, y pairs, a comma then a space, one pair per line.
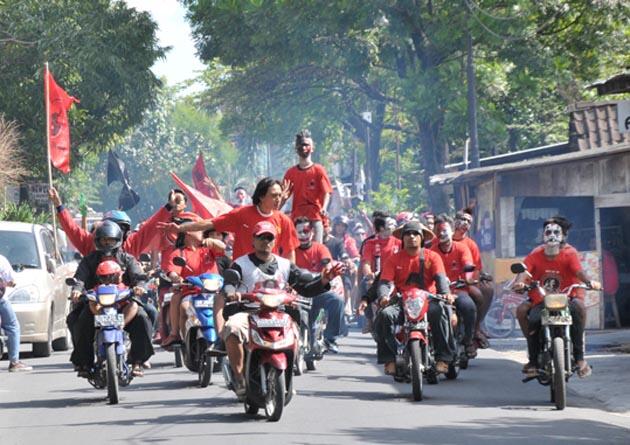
111, 368
270, 352
555, 359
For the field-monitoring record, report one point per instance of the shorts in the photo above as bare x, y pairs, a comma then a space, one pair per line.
237, 325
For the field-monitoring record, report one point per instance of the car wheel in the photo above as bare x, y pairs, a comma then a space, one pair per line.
44, 349
62, 343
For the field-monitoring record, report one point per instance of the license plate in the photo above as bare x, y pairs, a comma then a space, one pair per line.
271, 322
108, 320
557, 320
203, 303
418, 325
167, 297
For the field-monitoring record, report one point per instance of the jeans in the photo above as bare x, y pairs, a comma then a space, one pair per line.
333, 304
11, 327
467, 310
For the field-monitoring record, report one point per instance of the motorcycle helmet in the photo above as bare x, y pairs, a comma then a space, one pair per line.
108, 272
119, 217
108, 229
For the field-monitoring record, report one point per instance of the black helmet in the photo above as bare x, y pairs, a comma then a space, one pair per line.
108, 229
342, 219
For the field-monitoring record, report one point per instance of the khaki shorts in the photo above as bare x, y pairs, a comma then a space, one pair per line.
237, 325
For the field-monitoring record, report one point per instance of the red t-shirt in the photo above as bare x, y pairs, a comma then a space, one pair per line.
554, 275
350, 244
198, 261
399, 266
474, 251
455, 260
311, 258
309, 187
241, 222
383, 247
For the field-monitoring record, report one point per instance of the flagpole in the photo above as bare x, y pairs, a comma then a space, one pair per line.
50, 180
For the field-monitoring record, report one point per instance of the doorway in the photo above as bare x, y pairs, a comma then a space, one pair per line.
615, 237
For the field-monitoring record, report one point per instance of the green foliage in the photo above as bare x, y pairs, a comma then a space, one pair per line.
23, 213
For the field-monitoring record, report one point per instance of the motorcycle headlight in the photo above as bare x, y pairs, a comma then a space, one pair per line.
25, 294
212, 284
413, 307
556, 301
272, 300
106, 299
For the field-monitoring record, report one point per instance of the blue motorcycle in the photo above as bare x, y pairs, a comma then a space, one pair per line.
200, 333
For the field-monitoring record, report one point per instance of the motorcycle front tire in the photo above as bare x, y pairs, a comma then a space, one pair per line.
559, 384
206, 364
111, 371
416, 373
275, 399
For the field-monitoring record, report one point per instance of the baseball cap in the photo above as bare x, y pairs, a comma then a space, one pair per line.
264, 227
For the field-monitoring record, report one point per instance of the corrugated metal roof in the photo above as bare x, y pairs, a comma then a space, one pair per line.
594, 124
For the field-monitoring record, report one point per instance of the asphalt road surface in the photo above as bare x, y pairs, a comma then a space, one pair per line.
347, 400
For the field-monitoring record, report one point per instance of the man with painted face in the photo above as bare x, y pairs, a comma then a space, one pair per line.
309, 184
261, 268
483, 293
413, 267
315, 257
457, 258
556, 266
242, 198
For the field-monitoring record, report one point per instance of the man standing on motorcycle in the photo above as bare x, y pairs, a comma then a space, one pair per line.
457, 259
309, 184
262, 268
315, 257
413, 267
108, 241
483, 293
555, 265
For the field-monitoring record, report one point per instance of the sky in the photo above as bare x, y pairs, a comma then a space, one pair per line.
181, 63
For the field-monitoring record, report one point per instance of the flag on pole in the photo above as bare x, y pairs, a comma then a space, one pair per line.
58, 104
116, 171
202, 182
202, 205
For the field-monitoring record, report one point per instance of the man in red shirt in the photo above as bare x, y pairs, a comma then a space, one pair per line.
556, 266
315, 257
483, 293
412, 267
266, 201
457, 258
309, 184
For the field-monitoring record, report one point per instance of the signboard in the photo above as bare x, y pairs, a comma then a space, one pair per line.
623, 116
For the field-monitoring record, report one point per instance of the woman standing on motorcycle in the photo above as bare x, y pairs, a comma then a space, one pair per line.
555, 265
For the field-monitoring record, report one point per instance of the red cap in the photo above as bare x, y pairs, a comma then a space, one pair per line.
264, 227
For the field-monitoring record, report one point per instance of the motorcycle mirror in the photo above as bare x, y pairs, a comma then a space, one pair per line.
71, 281
518, 268
145, 258
179, 261
469, 268
231, 276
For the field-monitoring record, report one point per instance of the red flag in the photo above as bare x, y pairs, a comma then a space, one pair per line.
59, 102
202, 205
203, 182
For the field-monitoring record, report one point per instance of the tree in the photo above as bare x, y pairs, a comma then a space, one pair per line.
12, 168
99, 51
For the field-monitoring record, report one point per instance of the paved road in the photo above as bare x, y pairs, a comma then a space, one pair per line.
347, 400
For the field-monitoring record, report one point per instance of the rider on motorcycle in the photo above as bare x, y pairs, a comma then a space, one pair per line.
262, 268
108, 241
555, 265
413, 267
457, 258
314, 257
109, 272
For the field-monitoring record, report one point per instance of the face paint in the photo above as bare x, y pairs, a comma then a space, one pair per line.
304, 233
445, 233
463, 223
552, 238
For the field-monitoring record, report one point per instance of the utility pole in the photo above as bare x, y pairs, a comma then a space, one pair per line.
472, 101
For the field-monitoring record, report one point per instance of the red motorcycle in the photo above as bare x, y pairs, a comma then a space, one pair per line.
414, 356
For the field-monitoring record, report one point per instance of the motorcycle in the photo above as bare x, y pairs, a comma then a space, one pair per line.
461, 358
110, 339
270, 353
555, 359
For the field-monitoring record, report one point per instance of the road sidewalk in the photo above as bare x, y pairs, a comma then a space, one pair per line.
607, 351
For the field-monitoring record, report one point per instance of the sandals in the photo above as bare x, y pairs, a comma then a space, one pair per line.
137, 371
584, 370
390, 368
170, 340
530, 369
441, 367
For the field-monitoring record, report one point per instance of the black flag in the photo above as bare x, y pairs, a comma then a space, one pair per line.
116, 172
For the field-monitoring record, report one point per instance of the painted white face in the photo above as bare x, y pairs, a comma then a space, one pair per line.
552, 234
444, 232
304, 233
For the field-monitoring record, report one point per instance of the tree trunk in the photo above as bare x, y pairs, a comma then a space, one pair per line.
373, 154
433, 160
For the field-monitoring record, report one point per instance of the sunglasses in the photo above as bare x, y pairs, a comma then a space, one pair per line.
266, 237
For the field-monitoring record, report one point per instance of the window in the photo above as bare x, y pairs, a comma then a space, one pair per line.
19, 248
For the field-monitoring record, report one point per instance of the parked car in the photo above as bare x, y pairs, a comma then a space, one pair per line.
40, 297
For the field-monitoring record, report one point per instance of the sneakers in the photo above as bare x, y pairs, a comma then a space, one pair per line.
530, 369
19, 367
331, 346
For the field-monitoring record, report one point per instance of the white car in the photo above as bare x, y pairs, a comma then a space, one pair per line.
40, 297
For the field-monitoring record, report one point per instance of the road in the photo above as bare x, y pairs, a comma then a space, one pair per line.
347, 400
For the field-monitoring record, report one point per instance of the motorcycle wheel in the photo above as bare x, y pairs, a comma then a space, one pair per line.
300, 361
276, 392
206, 363
112, 378
559, 387
177, 350
416, 373
499, 323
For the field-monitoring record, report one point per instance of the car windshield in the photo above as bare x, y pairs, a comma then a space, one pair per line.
20, 249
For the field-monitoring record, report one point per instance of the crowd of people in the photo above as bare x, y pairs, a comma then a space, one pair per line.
359, 265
